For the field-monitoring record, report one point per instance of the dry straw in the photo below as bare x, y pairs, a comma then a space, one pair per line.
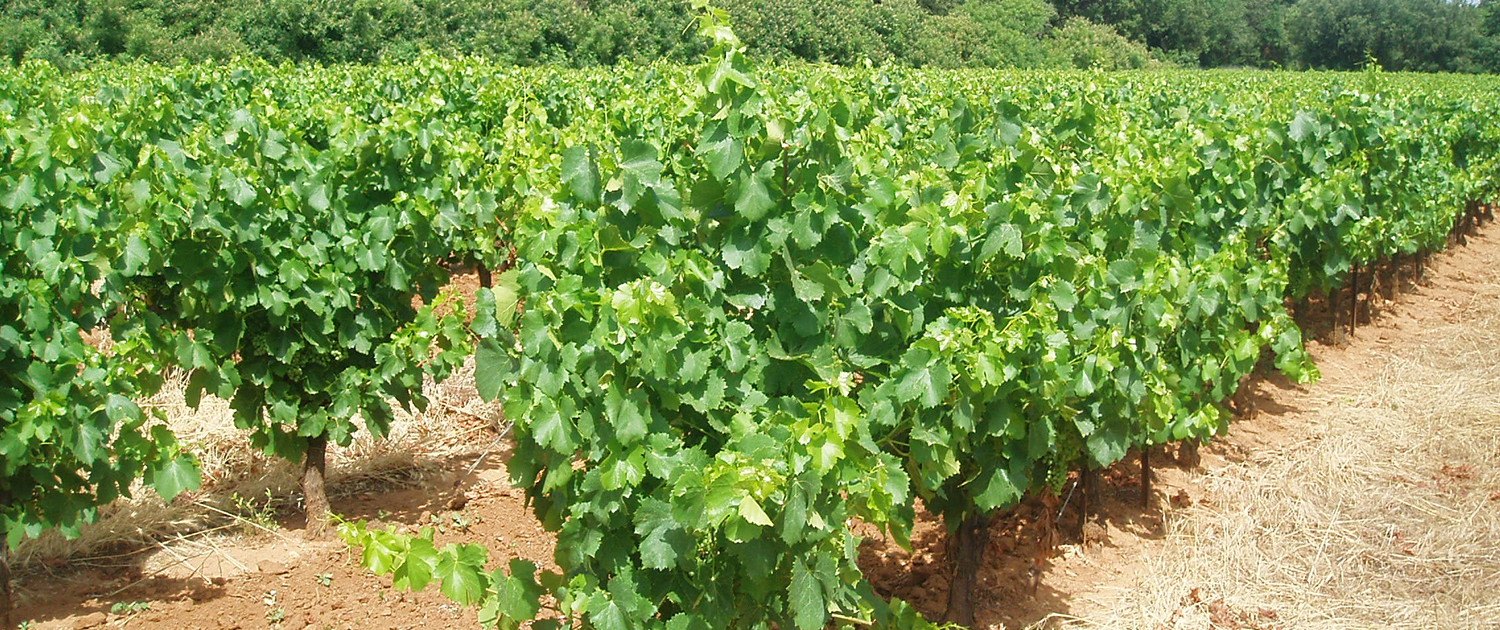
1383, 511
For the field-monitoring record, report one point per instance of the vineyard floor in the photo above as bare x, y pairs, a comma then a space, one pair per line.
1370, 499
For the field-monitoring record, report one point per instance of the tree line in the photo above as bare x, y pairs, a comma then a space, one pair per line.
1418, 35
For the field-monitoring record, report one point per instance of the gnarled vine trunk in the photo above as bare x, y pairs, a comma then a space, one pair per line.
968, 546
485, 281
5, 596
314, 494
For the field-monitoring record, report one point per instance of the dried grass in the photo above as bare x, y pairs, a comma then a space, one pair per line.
239, 479
1385, 514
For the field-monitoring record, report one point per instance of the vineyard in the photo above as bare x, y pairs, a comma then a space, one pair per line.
737, 315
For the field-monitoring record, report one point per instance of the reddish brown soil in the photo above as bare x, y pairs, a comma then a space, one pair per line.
276, 580
256, 580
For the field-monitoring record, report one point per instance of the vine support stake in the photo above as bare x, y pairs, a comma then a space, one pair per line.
1334, 295
1353, 298
1145, 476
1084, 496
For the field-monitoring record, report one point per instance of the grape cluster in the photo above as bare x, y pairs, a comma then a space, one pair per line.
1067, 449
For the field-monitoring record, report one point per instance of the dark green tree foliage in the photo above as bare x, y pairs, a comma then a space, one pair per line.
1193, 32
1487, 47
362, 31
1267, 22
67, 32
1084, 44
1420, 35
835, 31
1334, 34
41, 29
1011, 33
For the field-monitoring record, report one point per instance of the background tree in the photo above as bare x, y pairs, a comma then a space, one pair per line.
1084, 44
1420, 35
1486, 54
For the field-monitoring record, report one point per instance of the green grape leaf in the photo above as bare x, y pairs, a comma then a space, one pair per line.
178, 475
754, 197
723, 156
751, 511
808, 610
581, 174
460, 573
414, 564
608, 616
492, 364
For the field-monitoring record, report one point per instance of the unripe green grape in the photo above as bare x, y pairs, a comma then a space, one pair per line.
1067, 449
1057, 473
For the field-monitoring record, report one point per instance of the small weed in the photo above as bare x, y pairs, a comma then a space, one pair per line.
325, 579
274, 613
456, 522
129, 608
260, 512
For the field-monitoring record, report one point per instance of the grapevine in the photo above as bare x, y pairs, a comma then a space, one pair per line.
750, 306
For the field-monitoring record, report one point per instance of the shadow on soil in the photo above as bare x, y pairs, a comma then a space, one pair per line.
1009, 591
113, 580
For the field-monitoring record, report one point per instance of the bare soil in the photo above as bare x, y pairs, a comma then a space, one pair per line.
1370, 499
275, 578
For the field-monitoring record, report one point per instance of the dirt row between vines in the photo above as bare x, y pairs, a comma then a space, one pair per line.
1370, 499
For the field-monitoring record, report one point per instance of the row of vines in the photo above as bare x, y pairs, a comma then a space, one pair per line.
734, 310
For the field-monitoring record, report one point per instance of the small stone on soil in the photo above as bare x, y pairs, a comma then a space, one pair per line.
89, 621
271, 567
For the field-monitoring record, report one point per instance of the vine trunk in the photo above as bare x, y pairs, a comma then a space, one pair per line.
969, 543
314, 494
5, 594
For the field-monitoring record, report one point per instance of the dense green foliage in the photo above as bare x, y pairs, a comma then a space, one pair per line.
290, 241
71, 436
759, 304
290, 252
1418, 35
562, 32
752, 306
1426, 35
1421, 35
